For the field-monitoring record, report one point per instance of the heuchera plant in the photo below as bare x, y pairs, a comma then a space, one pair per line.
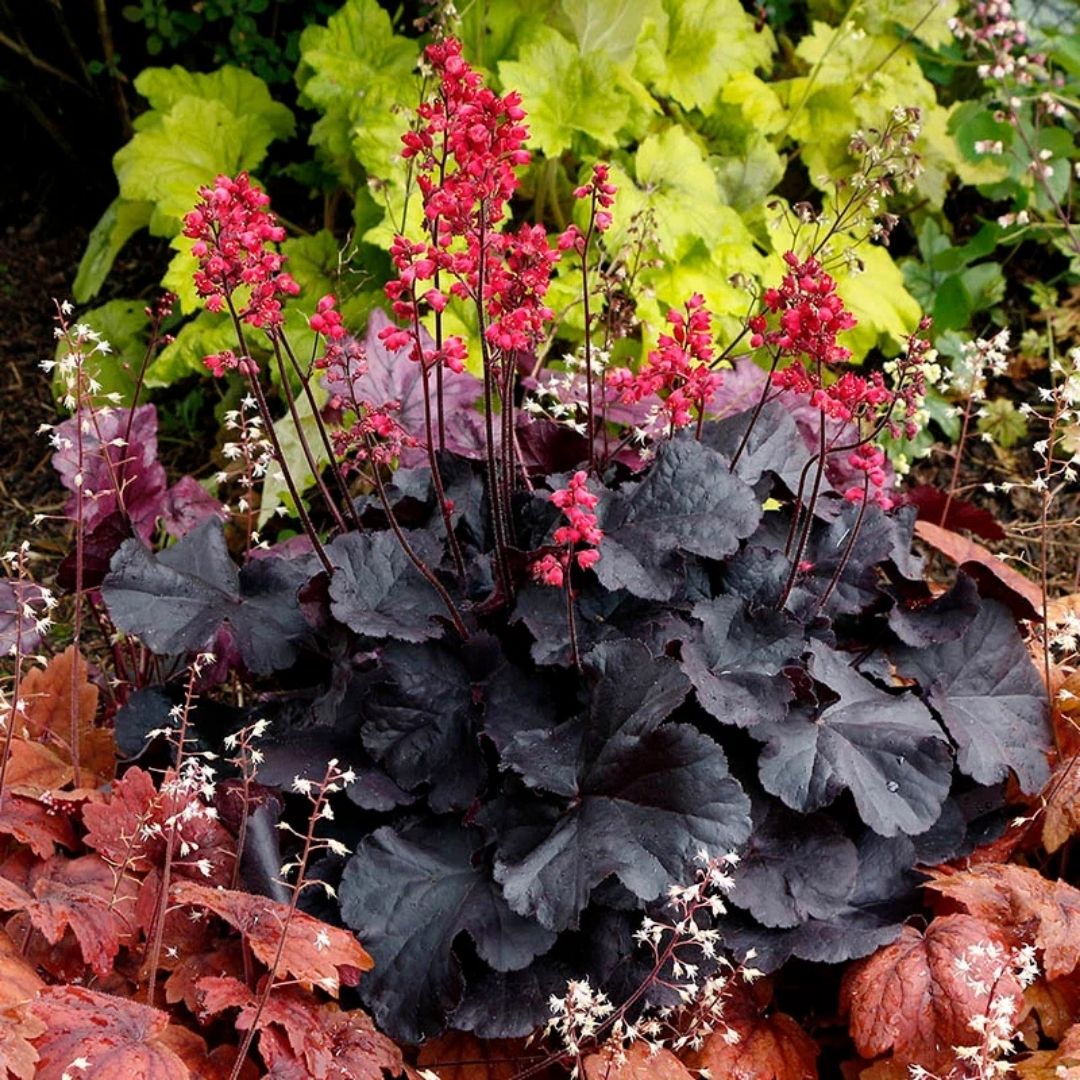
564, 657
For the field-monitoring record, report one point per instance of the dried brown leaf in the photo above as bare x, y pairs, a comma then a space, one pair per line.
635, 1063
770, 1047
1062, 1063
458, 1055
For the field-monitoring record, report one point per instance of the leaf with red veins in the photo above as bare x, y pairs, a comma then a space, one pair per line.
115, 1037
215, 1064
76, 895
42, 828
338, 1046
313, 951
911, 997
19, 983
134, 827
1023, 905
119, 828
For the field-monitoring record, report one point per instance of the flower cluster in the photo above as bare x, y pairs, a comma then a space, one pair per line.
326, 320
600, 192
233, 232
374, 433
578, 505
680, 367
810, 311
847, 398
1000, 41
467, 147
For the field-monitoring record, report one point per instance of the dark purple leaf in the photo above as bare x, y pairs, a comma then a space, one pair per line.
419, 723
186, 597
794, 867
409, 893
775, 445
124, 477
886, 749
187, 505
945, 618
735, 662
990, 697
646, 796
377, 591
98, 547
688, 502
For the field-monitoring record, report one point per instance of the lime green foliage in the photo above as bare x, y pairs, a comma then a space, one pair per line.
1002, 423
123, 324
197, 126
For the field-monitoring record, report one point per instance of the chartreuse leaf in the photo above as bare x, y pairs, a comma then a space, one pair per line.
929, 22
205, 334
206, 124
409, 892
689, 48
121, 220
360, 76
609, 26
496, 29
565, 93
123, 324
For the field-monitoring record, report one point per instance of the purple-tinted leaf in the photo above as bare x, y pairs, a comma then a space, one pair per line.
990, 697
735, 662
688, 502
931, 504
392, 376
512, 1004
186, 597
409, 893
21, 605
132, 469
886, 749
419, 724
794, 867
882, 898
378, 592
741, 390
775, 445
645, 795
187, 505
945, 618
98, 548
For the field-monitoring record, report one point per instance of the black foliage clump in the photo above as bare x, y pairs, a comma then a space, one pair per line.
515, 813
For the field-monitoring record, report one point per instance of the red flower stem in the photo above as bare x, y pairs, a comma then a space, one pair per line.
433, 463
848, 547
590, 416
324, 435
571, 624
16, 693
509, 443
804, 536
309, 456
954, 479
756, 413
402, 539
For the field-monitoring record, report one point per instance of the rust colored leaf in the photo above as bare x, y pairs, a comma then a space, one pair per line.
202, 1064
1061, 820
995, 578
770, 1047
910, 998
457, 1055
339, 1046
19, 982
34, 769
182, 984
38, 826
17, 1054
1062, 1063
133, 828
1025, 907
635, 1063
48, 693
1054, 1003
312, 952
115, 1036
